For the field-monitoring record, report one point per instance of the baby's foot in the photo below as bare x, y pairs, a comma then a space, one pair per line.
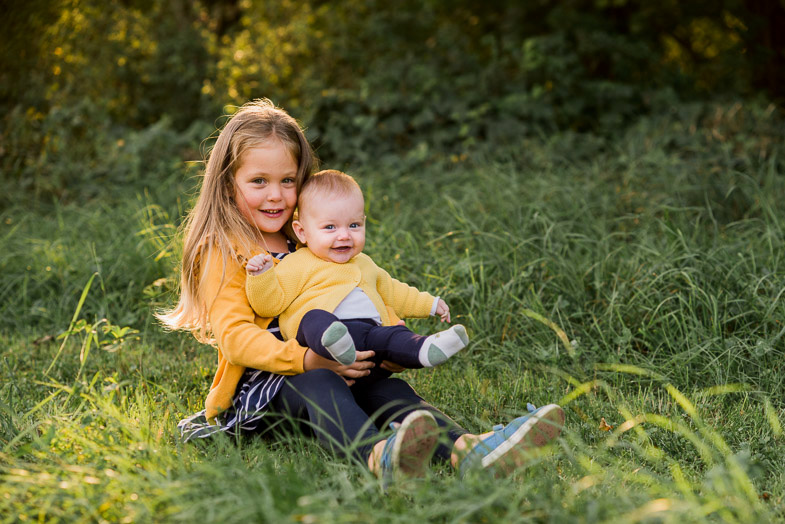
338, 342
440, 346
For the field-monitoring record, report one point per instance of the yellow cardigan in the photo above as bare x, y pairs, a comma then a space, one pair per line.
242, 340
302, 282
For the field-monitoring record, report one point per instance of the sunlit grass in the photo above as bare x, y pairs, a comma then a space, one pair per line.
637, 286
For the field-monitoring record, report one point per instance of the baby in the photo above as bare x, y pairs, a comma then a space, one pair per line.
333, 298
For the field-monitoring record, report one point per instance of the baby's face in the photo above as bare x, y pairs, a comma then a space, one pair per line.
333, 226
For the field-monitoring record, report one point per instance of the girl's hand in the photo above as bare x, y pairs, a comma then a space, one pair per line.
360, 368
443, 310
258, 264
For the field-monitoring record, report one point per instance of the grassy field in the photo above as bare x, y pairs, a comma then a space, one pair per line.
637, 282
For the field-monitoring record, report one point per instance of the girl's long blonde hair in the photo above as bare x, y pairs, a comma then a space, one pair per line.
215, 222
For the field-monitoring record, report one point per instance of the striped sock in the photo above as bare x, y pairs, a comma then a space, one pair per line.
338, 342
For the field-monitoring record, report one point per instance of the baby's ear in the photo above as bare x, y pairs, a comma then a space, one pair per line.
298, 229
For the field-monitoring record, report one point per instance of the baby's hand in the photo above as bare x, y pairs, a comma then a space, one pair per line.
443, 310
259, 264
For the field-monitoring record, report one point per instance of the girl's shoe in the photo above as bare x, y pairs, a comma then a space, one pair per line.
509, 446
408, 451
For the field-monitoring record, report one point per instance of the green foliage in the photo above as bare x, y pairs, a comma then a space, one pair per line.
136, 63
74, 152
112, 93
411, 81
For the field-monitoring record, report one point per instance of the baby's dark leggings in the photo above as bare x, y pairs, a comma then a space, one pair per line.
348, 419
397, 344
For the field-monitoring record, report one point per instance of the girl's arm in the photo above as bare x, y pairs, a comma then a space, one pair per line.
240, 333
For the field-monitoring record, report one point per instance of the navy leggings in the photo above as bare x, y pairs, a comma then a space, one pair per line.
398, 344
347, 419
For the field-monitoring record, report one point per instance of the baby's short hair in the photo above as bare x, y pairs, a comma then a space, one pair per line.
327, 182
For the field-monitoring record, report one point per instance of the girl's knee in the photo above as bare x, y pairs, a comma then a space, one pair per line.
400, 386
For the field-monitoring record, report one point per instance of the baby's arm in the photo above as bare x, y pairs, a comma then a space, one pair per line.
405, 300
264, 287
258, 264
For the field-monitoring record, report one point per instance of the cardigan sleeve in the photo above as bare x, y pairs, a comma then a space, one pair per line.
405, 300
239, 332
271, 292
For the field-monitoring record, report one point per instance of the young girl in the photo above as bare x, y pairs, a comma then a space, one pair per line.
254, 172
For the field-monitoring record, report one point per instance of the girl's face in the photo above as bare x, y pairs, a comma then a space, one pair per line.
265, 189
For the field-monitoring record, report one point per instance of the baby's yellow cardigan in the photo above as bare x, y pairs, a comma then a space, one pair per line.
302, 282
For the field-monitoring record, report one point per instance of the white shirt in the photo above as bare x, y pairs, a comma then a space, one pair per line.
358, 305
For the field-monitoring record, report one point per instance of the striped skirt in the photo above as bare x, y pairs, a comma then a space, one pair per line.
254, 392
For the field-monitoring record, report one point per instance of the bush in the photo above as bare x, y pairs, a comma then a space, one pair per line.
411, 81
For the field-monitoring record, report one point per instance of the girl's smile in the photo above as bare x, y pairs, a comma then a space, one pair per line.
265, 185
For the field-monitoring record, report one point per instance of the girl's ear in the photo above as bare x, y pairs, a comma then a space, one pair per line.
298, 229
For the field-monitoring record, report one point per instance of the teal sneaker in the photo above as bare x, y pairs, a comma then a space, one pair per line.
508, 448
409, 449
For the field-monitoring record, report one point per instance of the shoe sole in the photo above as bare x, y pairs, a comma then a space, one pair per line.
540, 429
415, 444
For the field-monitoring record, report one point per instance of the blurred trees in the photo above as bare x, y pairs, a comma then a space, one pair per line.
81, 81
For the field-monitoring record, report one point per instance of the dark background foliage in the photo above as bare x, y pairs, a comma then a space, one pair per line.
85, 86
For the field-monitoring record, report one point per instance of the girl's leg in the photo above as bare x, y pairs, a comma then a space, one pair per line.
324, 401
391, 399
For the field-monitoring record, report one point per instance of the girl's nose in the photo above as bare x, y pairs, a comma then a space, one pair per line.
273, 193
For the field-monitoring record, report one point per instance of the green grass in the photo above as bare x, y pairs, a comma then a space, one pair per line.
658, 255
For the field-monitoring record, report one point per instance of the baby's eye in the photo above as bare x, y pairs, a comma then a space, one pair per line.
355, 225
329, 227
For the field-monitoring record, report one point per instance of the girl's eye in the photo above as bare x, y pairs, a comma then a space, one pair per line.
288, 181
258, 181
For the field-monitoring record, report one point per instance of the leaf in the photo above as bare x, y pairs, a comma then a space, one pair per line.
604, 426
